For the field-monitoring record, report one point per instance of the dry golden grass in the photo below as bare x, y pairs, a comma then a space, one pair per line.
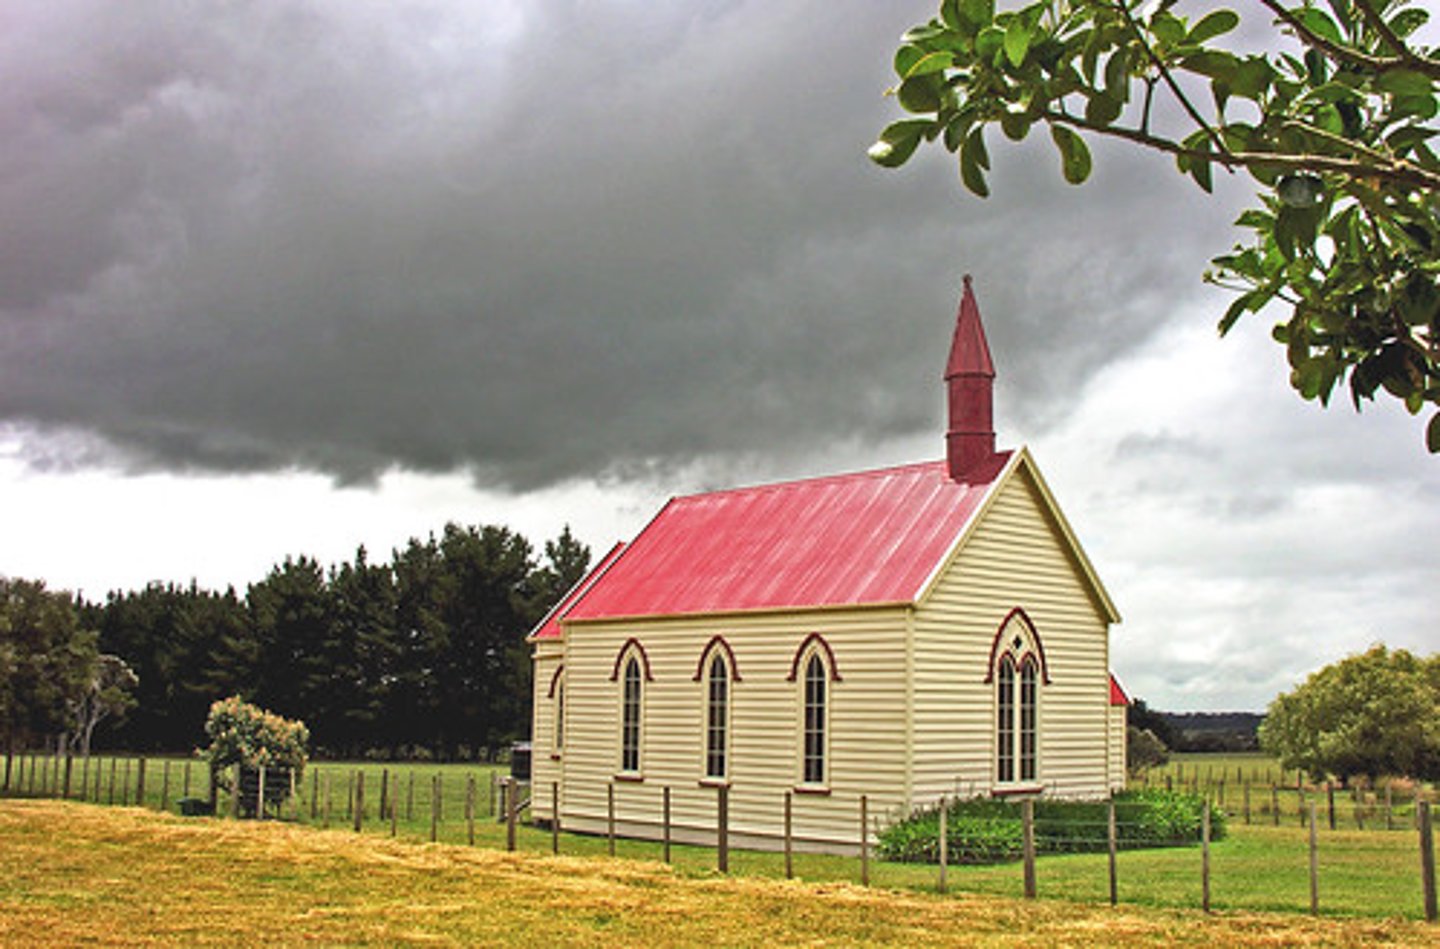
77, 874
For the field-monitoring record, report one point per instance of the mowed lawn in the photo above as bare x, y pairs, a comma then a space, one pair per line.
77, 874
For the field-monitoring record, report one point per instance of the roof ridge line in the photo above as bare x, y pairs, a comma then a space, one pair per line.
844, 476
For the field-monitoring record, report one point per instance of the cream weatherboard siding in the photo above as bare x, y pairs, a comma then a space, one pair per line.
545, 760
1016, 555
866, 733
1118, 761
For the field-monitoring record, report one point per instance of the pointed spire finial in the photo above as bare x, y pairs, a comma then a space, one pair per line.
969, 378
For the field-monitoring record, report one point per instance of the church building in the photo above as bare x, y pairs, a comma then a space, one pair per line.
904, 633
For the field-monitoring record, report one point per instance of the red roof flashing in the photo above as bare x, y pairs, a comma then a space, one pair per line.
868, 538
1117, 694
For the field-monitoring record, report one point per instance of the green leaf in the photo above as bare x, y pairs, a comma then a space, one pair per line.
1102, 109
979, 12
1215, 63
1167, 28
989, 43
898, 142
1300, 191
1018, 34
950, 13
1408, 21
1117, 75
930, 63
1319, 22
1404, 82
1212, 25
920, 94
1074, 154
1432, 434
974, 159
905, 59
1015, 125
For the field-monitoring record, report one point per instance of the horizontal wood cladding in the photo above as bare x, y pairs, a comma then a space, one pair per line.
544, 768
866, 727
1016, 556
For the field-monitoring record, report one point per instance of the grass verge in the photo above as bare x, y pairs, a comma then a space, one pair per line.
122, 876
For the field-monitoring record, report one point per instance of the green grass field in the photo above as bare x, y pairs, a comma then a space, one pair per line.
78, 874
1260, 867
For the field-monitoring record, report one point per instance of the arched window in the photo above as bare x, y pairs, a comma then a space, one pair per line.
1017, 670
717, 717
560, 716
630, 717
1005, 720
816, 681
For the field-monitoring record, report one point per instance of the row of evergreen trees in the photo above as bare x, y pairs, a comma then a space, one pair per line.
421, 655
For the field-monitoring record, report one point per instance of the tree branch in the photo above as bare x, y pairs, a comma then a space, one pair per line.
1395, 171
1387, 35
1190, 109
1344, 54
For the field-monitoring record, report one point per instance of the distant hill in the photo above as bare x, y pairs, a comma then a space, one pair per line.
1213, 731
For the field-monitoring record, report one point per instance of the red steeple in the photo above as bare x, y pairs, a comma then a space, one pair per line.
970, 379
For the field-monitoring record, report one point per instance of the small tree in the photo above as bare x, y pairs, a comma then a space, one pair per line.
246, 735
1373, 714
1144, 750
107, 693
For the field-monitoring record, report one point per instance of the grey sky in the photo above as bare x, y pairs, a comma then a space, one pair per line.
552, 244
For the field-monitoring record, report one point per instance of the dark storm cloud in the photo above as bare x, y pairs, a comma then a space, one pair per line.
535, 241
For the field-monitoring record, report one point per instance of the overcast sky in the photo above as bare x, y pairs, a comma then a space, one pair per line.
286, 278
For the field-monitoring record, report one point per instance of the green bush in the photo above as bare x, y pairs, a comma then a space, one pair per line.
989, 830
246, 735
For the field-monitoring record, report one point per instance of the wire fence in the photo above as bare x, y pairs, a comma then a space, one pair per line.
1317, 841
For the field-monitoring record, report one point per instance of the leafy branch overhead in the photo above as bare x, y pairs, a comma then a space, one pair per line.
1334, 119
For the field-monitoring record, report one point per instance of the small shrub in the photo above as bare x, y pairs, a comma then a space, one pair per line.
988, 830
246, 735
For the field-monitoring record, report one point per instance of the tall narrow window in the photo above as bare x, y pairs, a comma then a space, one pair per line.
630, 718
560, 716
814, 754
1005, 720
717, 718
1027, 719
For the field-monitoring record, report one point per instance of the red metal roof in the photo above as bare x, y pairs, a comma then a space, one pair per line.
549, 627
1117, 694
866, 538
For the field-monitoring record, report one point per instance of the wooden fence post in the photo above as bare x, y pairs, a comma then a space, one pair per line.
165, 785
1205, 856
235, 795
1245, 792
185, 779
110, 797
493, 795
440, 796
610, 816
470, 808
260, 796
314, 792
665, 802
722, 829
359, 807
435, 808
69, 762
512, 811
1427, 857
1110, 836
1275, 804
864, 841
125, 785
140, 783
1389, 808
944, 842
1330, 798
384, 793
328, 783
1314, 864
789, 847
350, 795
9, 759
1027, 821
555, 817
395, 807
